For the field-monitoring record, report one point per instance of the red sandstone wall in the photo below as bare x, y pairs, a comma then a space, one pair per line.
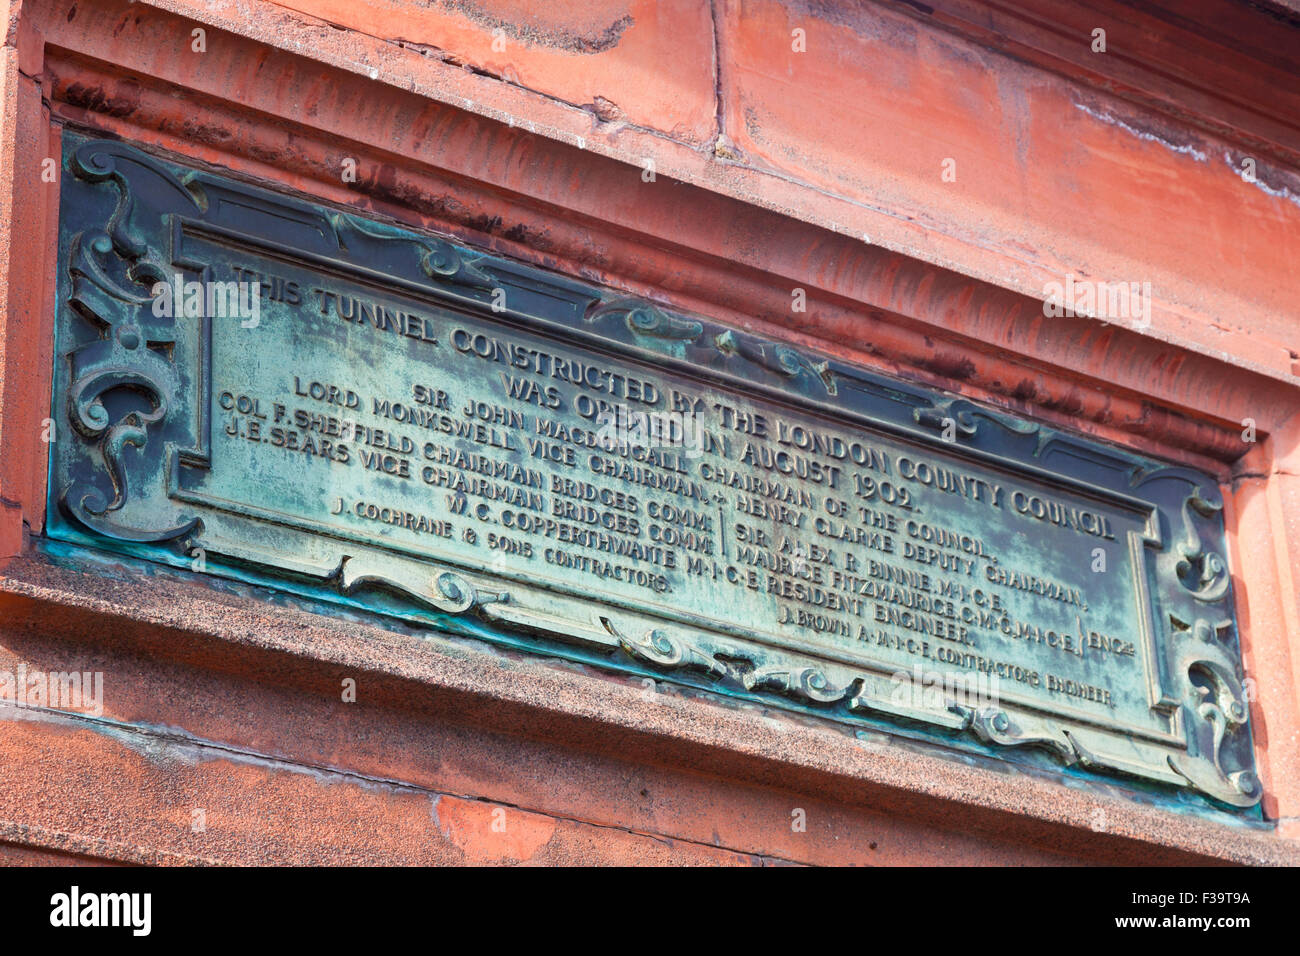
527, 132
1052, 174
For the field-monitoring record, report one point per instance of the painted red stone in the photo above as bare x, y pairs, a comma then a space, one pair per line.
770, 166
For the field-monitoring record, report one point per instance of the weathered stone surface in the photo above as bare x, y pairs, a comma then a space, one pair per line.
438, 716
942, 295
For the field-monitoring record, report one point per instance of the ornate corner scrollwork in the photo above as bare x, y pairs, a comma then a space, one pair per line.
1196, 587
95, 294
100, 160
1199, 571
1204, 573
1215, 696
120, 362
130, 357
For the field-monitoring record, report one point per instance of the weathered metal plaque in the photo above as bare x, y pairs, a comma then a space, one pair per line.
255, 386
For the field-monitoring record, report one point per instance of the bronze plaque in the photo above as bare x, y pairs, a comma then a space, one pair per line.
262, 388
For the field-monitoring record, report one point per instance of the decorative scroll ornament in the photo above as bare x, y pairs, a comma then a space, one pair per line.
128, 360
1204, 573
658, 648
649, 322
1214, 694
103, 368
438, 260
809, 683
642, 318
965, 417
997, 727
444, 591
1196, 592
101, 160
775, 357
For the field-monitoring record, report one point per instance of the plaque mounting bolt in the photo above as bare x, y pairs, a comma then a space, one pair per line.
129, 336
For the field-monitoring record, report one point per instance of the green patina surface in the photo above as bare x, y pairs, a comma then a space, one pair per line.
257, 387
